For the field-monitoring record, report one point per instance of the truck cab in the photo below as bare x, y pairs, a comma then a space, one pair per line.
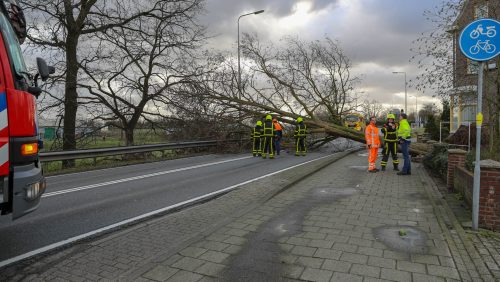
21, 181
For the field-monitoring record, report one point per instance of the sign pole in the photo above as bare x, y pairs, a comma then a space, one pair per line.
477, 166
480, 42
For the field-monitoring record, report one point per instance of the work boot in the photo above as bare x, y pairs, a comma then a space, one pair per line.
271, 156
303, 154
373, 170
396, 167
255, 155
383, 168
264, 156
297, 154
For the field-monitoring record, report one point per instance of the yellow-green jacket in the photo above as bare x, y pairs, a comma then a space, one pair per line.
404, 130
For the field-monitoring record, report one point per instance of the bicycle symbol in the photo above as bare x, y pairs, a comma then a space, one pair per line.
482, 45
490, 32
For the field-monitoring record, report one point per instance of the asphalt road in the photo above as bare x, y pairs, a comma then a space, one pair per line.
78, 203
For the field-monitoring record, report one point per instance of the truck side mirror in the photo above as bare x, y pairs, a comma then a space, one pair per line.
43, 70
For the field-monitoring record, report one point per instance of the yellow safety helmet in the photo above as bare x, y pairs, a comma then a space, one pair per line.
299, 119
259, 123
269, 117
391, 116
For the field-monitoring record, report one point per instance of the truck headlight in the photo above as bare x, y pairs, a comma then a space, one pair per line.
34, 190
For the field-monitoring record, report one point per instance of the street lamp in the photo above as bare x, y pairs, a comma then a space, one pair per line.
417, 121
239, 66
406, 97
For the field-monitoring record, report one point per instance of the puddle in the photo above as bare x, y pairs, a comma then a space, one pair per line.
414, 242
260, 259
359, 167
366, 155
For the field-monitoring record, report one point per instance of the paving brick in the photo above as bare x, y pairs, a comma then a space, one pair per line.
210, 269
214, 256
160, 273
235, 240
365, 270
354, 258
316, 243
382, 262
395, 275
370, 251
313, 274
418, 277
303, 251
442, 271
339, 276
310, 262
426, 259
293, 271
410, 266
327, 253
336, 265
185, 276
345, 247
193, 252
188, 263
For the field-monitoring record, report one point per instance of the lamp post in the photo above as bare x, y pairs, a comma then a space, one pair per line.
416, 110
406, 96
239, 66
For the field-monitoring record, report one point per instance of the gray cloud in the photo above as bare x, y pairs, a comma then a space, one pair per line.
376, 34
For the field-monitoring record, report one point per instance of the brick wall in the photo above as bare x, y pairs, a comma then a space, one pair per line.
463, 183
489, 197
456, 157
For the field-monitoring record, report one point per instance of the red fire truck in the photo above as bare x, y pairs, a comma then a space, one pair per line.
21, 181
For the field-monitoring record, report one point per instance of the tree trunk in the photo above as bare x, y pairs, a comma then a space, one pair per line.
129, 136
70, 97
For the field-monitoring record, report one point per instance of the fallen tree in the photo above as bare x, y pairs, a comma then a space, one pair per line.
308, 79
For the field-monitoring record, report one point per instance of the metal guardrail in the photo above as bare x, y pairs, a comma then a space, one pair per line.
101, 152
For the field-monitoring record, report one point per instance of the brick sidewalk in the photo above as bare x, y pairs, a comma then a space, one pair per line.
340, 224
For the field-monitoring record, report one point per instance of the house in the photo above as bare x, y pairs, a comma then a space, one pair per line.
463, 99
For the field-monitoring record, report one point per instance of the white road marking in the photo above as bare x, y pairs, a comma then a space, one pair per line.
114, 168
142, 216
92, 186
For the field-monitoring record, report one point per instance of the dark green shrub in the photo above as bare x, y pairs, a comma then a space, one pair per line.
437, 160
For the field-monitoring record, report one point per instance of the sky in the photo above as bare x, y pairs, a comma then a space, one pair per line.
376, 35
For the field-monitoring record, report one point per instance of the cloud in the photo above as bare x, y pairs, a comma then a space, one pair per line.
376, 34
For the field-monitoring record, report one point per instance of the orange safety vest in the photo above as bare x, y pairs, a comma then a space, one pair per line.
277, 126
371, 135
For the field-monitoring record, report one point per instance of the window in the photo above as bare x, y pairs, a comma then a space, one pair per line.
15, 53
481, 11
472, 67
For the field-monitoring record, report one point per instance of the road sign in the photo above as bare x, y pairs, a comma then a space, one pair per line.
480, 40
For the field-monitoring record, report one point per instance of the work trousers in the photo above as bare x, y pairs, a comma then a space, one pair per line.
390, 148
300, 145
372, 157
277, 145
268, 146
256, 150
405, 149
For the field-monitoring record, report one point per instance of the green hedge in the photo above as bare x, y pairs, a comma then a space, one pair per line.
437, 160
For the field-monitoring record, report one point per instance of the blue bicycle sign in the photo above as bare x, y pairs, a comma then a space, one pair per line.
479, 41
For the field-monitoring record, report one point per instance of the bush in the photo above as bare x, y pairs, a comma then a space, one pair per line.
437, 160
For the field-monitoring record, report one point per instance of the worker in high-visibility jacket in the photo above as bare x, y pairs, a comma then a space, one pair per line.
279, 135
389, 131
256, 135
268, 137
372, 143
404, 136
300, 137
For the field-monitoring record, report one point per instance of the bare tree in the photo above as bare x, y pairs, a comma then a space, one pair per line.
142, 65
60, 26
